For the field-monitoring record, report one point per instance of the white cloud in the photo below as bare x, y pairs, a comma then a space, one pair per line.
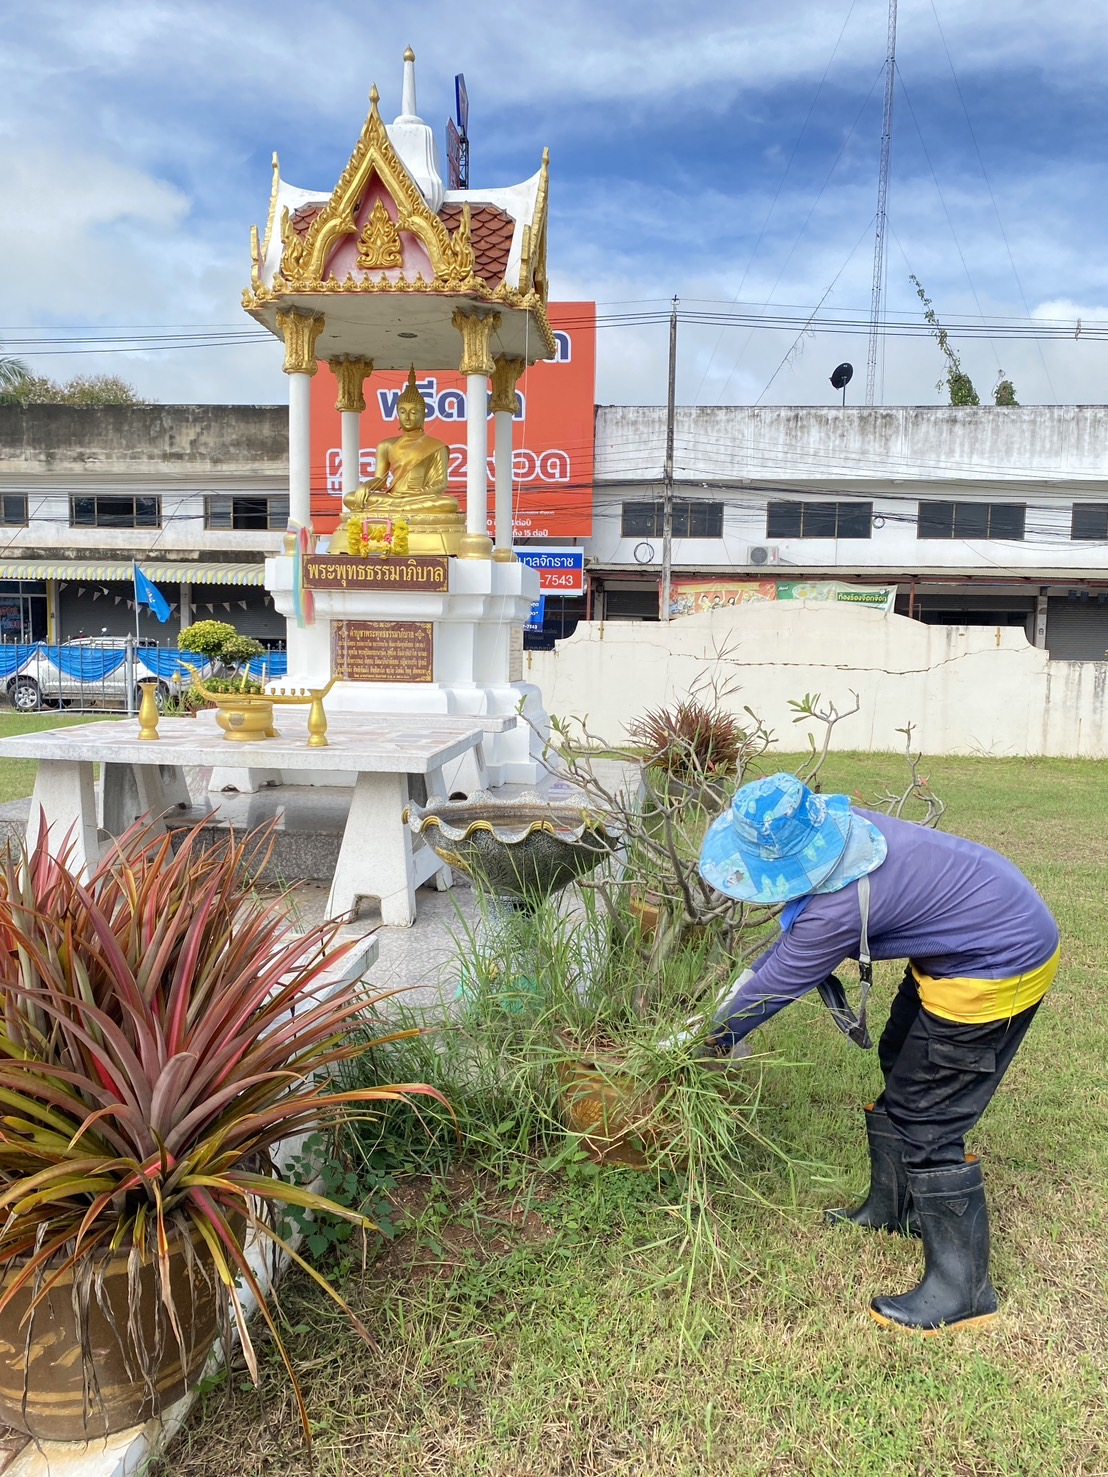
136, 136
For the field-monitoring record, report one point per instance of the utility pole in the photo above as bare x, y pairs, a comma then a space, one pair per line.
667, 486
877, 295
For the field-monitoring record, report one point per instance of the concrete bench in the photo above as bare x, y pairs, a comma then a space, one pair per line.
377, 858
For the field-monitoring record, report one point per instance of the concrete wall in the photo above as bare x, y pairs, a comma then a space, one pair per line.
891, 547
177, 452
1045, 456
967, 690
913, 443
154, 440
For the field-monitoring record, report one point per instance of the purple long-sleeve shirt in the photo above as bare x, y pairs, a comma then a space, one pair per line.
955, 909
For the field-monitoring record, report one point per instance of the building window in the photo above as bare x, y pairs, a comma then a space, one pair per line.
690, 519
971, 520
818, 520
1090, 521
101, 511
13, 510
223, 510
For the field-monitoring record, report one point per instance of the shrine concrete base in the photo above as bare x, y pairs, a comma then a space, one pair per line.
477, 630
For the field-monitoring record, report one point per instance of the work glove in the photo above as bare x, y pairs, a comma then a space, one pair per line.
720, 1041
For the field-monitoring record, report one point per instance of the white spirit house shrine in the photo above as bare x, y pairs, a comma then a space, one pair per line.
410, 606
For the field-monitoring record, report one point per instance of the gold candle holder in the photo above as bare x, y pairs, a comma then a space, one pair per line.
317, 718
247, 717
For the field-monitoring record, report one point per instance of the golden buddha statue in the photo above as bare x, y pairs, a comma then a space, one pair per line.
411, 481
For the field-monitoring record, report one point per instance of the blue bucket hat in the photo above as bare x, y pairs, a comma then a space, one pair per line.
780, 841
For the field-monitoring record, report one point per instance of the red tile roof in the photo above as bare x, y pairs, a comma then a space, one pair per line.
302, 218
491, 231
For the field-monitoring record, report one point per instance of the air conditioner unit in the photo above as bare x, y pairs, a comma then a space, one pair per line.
763, 554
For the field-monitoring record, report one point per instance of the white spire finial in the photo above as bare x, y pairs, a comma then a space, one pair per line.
414, 141
408, 109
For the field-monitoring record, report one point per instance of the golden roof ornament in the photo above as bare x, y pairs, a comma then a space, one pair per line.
386, 228
379, 242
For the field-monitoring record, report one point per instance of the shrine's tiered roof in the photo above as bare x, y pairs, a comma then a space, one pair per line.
401, 252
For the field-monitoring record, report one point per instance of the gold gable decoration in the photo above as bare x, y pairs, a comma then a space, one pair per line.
379, 243
532, 261
305, 257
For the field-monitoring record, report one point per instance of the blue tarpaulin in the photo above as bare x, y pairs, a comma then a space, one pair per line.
90, 665
168, 664
85, 663
270, 666
14, 657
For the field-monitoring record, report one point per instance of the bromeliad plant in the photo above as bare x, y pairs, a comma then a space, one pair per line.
694, 740
162, 1029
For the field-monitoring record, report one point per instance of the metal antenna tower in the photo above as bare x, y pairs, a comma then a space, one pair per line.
882, 203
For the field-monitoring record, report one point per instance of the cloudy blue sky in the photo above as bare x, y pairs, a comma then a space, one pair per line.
724, 152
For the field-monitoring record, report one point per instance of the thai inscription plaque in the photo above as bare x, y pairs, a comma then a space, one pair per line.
407, 572
383, 651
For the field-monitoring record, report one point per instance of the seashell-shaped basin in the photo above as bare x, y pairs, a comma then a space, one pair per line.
520, 846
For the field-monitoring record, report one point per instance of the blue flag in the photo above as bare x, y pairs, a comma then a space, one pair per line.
148, 594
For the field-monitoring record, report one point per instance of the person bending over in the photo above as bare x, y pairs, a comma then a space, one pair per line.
982, 951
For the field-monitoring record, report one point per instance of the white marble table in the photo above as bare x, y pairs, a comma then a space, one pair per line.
377, 857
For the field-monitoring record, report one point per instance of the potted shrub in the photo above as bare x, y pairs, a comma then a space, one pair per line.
694, 750
163, 1029
621, 1082
229, 655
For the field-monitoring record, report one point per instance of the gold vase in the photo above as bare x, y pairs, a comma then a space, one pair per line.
148, 714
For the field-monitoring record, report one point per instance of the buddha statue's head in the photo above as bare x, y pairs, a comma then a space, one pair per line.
411, 408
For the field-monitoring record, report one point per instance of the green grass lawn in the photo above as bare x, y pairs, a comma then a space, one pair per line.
17, 776
539, 1323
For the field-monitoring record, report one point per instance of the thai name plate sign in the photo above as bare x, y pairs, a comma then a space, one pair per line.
383, 651
404, 572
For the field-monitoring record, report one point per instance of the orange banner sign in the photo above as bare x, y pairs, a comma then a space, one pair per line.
552, 455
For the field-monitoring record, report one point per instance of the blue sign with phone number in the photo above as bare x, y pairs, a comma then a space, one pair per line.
538, 610
561, 571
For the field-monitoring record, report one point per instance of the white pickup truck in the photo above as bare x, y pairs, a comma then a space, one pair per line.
42, 683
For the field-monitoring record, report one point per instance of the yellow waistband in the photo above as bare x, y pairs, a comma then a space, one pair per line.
975, 1001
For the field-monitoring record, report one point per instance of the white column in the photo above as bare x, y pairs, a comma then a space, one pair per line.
300, 449
351, 374
503, 463
476, 330
505, 404
477, 456
300, 331
351, 450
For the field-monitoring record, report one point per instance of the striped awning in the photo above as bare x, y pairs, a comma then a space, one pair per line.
189, 572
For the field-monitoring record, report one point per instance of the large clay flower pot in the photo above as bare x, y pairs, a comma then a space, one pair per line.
603, 1102
54, 1389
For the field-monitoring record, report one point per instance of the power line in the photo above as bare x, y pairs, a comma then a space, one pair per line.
751, 316
804, 227
942, 202
777, 195
815, 310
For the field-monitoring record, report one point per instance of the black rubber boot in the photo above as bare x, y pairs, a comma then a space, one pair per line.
949, 1206
885, 1208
